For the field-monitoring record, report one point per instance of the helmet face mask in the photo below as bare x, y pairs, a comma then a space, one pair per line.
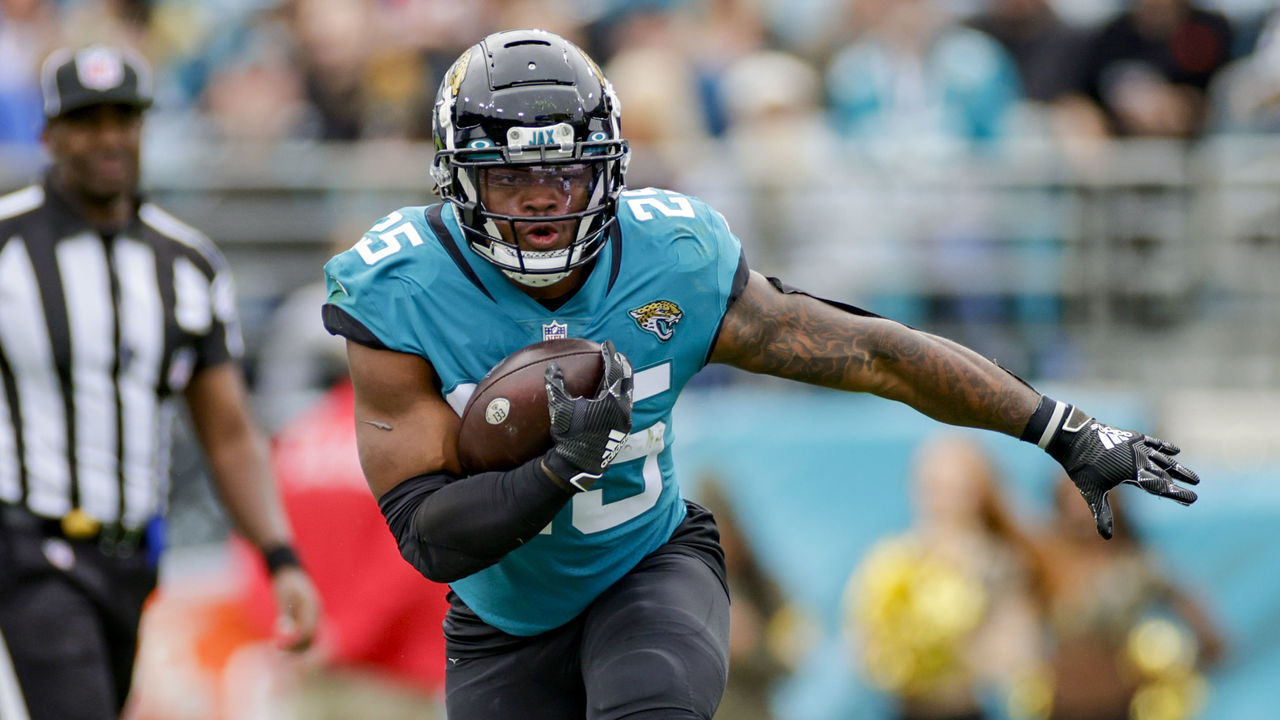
530, 101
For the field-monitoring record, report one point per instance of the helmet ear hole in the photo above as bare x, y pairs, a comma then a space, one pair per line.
536, 99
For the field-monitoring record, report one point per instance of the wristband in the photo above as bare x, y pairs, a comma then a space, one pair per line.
1046, 421
280, 557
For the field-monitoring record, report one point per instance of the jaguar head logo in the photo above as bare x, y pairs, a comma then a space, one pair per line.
456, 72
658, 317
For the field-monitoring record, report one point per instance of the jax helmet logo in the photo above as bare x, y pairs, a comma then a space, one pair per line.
658, 317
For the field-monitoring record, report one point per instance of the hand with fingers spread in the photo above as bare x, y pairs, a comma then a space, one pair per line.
588, 432
1098, 457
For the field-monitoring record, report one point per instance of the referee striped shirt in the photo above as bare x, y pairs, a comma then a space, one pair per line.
97, 334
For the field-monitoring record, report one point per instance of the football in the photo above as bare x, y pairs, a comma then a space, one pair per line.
506, 422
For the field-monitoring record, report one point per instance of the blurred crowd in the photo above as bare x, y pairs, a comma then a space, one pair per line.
785, 116
928, 73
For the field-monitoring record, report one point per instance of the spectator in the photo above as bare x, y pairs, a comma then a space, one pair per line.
942, 614
28, 31
1104, 605
1149, 68
1045, 48
334, 43
666, 110
1047, 51
779, 146
911, 80
433, 32
258, 93
913, 89
727, 32
1245, 96
757, 660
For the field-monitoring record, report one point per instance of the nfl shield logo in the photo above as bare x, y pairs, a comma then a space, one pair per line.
555, 331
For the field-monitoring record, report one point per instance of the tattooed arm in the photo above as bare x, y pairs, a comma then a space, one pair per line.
800, 338
797, 337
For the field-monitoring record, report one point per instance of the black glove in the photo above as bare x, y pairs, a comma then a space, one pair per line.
1099, 457
588, 432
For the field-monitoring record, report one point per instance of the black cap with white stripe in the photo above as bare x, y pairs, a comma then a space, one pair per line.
97, 75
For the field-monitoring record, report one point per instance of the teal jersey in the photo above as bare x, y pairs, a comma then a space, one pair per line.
658, 290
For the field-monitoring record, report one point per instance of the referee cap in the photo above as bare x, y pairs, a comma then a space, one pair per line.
96, 75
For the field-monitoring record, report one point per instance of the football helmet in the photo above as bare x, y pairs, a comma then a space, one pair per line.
528, 98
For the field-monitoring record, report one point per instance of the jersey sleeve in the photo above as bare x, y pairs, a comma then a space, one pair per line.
371, 294
693, 236
705, 239
730, 261
730, 265
682, 249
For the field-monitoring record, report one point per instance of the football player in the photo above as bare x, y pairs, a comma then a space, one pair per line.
583, 584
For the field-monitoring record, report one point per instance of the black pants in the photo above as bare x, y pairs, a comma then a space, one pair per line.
654, 645
69, 614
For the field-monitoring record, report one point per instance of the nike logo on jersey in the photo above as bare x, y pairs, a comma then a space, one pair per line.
1109, 436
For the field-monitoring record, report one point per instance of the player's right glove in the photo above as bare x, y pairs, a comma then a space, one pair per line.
588, 432
1099, 457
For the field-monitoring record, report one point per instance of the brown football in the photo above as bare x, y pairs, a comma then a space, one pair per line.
506, 422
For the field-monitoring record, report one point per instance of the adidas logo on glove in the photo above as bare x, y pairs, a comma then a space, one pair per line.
1109, 436
612, 446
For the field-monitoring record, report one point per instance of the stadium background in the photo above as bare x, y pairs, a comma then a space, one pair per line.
1136, 275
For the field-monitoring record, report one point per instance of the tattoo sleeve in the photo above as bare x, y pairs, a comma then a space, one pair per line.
801, 338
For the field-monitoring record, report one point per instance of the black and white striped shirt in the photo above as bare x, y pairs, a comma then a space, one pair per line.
97, 334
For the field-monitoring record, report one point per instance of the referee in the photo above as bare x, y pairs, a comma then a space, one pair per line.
109, 309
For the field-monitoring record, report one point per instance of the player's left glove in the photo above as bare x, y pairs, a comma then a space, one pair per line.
588, 432
1098, 457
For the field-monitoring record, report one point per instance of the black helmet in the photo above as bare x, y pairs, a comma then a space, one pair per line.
528, 97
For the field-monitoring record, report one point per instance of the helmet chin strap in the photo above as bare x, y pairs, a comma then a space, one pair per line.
524, 278
541, 279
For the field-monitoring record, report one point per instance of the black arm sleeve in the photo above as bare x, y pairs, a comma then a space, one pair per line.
449, 527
